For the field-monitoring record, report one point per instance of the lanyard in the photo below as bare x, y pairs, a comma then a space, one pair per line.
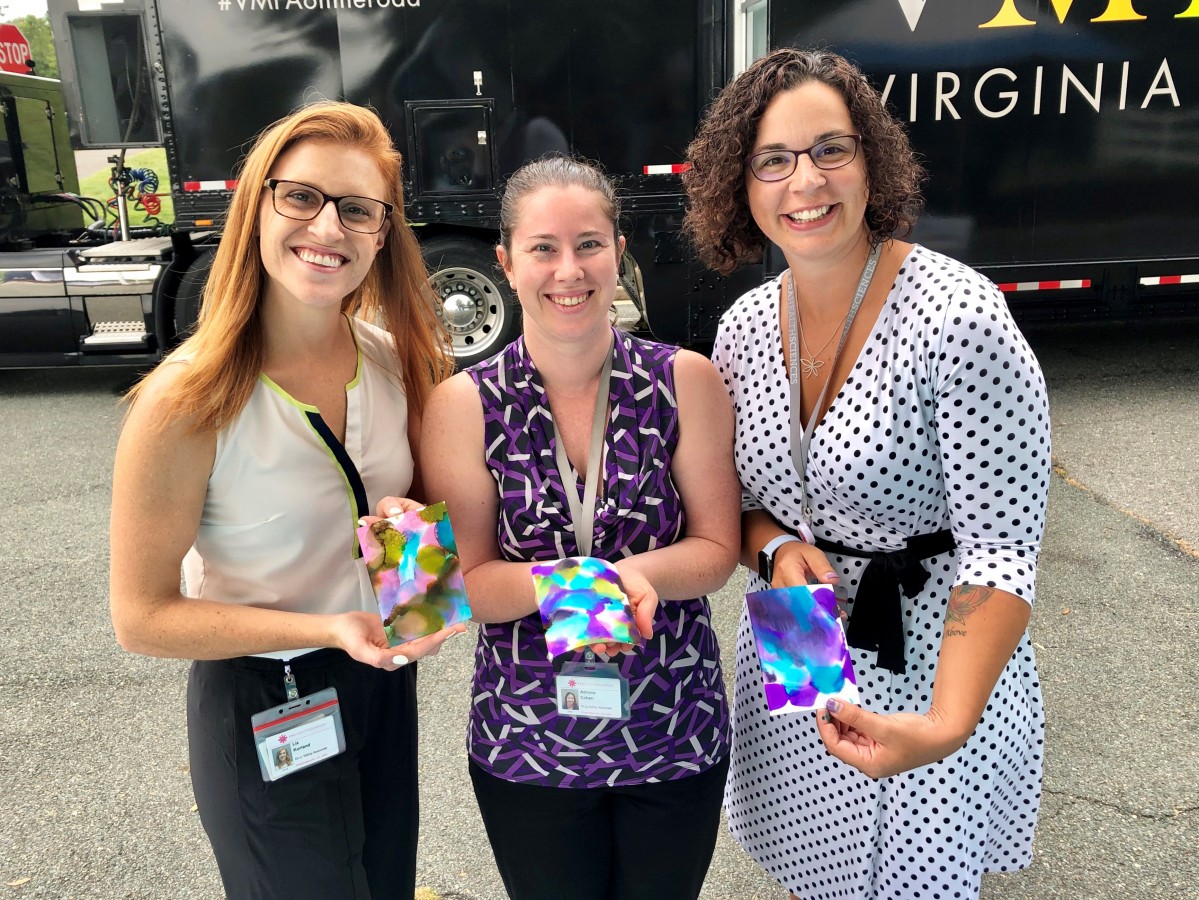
582, 511
802, 437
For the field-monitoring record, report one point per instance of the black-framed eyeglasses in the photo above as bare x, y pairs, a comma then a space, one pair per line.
832, 153
303, 202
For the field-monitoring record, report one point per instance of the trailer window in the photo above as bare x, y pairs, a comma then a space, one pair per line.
756, 42
114, 81
750, 34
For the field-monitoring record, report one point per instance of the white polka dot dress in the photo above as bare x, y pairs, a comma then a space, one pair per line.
942, 423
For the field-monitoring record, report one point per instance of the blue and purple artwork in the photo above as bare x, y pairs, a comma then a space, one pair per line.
582, 602
413, 564
801, 647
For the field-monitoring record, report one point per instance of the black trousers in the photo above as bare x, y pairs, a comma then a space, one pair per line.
643, 842
342, 828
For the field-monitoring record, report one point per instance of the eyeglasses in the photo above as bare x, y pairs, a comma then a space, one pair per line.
303, 202
775, 165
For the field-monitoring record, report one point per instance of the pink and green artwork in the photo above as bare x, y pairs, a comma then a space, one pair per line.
413, 564
582, 602
801, 648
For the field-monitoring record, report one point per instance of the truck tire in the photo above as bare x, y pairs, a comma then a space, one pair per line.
177, 296
474, 302
189, 294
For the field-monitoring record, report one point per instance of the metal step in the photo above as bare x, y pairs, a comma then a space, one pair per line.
107, 337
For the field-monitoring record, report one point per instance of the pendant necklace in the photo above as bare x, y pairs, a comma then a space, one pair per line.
801, 435
812, 365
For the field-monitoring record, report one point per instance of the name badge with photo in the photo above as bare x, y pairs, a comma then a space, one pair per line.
592, 690
297, 734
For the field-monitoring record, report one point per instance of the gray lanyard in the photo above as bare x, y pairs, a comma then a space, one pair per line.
582, 511
802, 437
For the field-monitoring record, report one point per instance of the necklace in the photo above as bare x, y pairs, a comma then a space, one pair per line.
801, 435
812, 365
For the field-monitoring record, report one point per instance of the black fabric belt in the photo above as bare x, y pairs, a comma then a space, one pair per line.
877, 620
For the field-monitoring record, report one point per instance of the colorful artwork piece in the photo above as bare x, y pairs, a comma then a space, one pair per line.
801, 647
582, 602
413, 564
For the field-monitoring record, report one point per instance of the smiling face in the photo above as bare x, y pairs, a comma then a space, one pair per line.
815, 215
564, 262
319, 262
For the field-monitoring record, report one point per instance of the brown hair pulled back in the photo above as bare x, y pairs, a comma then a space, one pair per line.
555, 171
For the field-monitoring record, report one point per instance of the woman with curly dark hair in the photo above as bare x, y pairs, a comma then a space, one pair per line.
892, 439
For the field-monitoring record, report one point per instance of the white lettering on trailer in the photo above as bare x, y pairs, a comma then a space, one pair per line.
349, 4
304, 5
1068, 78
944, 98
1163, 73
1010, 96
996, 103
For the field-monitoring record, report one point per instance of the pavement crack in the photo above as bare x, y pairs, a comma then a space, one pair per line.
1156, 531
1124, 808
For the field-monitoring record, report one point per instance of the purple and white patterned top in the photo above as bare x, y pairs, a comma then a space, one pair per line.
678, 724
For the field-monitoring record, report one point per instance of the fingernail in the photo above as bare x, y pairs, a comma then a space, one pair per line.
826, 717
832, 705
400, 659
394, 511
831, 576
362, 521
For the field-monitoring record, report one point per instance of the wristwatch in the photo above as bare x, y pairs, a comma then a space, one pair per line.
766, 556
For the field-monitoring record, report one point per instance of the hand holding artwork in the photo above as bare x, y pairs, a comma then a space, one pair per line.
643, 600
797, 563
882, 745
392, 506
642, 596
361, 635
584, 603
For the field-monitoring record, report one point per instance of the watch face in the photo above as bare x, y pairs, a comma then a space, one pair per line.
765, 566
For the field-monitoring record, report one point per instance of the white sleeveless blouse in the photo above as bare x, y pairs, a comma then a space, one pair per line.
284, 496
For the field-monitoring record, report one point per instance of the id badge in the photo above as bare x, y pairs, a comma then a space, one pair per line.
298, 733
592, 690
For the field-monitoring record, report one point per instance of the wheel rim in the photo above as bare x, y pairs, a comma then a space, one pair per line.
471, 308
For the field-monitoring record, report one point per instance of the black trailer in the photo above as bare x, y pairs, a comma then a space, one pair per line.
1062, 139
470, 89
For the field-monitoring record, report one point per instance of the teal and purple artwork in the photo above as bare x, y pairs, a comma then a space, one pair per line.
413, 564
582, 602
801, 647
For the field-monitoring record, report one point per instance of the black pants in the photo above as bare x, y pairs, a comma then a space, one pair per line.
342, 828
643, 842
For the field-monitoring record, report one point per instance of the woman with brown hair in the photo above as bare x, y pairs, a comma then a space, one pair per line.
248, 457
599, 774
892, 439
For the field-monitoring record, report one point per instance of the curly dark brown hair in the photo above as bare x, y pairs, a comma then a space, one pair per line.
718, 219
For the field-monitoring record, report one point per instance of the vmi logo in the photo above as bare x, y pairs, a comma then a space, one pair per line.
1009, 15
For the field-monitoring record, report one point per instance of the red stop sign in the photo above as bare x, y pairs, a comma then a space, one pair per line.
14, 50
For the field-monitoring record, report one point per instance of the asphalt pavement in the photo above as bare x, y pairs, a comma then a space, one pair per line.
95, 798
